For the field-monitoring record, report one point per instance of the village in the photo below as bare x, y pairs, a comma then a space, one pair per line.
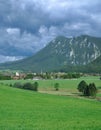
40, 76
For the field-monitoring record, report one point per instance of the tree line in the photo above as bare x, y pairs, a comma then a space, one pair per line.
48, 75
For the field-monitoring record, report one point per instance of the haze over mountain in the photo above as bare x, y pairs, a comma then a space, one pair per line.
26, 26
61, 51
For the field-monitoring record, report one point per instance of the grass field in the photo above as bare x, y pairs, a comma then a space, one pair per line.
66, 87
28, 110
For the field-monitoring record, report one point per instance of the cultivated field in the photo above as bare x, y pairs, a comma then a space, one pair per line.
28, 110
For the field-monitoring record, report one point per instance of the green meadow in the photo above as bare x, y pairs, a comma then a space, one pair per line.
28, 110
67, 86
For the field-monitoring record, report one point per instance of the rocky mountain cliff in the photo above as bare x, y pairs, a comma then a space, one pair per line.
76, 51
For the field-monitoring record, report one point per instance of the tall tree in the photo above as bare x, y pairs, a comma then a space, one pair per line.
81, 86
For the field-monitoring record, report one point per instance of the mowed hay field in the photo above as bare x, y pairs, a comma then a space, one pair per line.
28, 110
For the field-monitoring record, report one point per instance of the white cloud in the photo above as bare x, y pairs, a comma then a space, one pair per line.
13, 31
9, 58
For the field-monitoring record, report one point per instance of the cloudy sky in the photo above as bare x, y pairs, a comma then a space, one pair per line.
28, 25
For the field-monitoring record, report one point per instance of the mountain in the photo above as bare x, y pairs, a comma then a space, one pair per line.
97, 61
95, 66
61, 51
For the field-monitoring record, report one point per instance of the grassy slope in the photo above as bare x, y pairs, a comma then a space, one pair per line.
26, 110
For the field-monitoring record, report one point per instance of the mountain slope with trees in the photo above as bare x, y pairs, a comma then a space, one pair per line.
60, 52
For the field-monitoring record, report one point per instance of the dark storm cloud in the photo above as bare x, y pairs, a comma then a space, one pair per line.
30, 15
30, 24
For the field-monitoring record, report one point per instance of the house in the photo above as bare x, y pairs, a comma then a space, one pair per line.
18, 76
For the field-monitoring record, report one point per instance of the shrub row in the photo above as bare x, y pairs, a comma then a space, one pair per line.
5, 77
27, 86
